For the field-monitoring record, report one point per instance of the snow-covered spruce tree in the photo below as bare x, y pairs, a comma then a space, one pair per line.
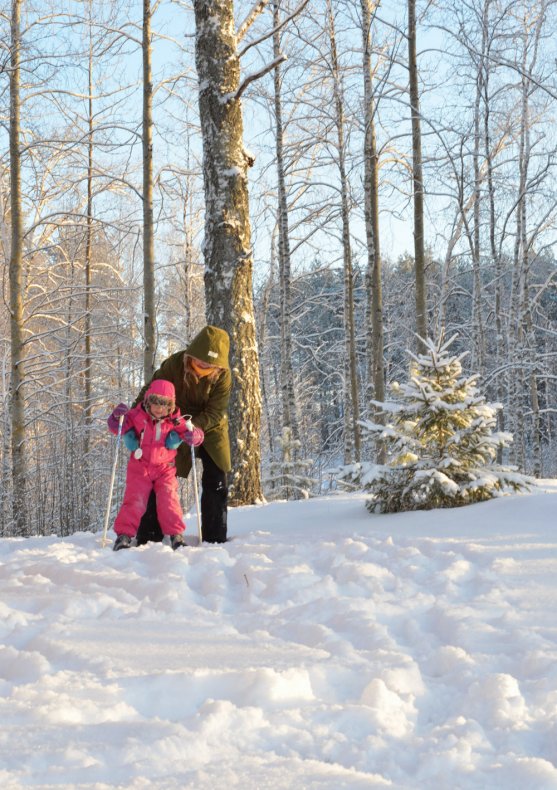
288, 478
440, 441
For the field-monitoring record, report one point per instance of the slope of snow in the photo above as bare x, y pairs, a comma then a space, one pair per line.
323, 647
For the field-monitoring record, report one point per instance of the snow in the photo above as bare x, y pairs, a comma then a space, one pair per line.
323, 647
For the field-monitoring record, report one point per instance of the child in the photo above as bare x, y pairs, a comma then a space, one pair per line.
152, 432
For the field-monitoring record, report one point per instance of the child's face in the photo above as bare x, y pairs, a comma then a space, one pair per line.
159, 412
159, 407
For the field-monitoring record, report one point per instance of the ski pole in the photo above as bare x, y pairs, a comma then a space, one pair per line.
108, 504
189, 426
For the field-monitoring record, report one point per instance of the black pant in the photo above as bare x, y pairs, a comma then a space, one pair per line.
214, 499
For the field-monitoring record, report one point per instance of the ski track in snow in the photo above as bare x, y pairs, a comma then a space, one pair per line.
322, 648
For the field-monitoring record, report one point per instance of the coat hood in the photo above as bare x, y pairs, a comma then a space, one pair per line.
163, 388
212, 346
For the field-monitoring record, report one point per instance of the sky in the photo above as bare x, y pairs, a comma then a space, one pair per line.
322, 647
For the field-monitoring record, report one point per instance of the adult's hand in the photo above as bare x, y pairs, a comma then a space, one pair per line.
194, 437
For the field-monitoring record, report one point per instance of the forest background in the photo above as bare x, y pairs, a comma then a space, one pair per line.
331, 152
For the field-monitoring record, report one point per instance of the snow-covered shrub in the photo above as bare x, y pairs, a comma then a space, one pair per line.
440, 440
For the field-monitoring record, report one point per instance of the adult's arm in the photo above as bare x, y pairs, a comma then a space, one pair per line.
217, 406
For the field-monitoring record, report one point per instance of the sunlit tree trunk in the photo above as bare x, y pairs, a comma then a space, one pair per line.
227, 247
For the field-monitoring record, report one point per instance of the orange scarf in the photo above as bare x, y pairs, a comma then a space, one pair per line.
200, 372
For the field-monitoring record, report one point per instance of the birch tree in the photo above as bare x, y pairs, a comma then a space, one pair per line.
148, 230
289, 416
352, 408
522, 352
376, 375
88, 361
417, 176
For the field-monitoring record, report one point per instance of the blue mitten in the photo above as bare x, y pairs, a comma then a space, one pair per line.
172, 441
131, 441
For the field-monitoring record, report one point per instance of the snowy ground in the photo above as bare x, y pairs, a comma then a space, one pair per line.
322, 648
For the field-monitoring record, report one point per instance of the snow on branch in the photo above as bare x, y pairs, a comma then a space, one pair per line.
250, 18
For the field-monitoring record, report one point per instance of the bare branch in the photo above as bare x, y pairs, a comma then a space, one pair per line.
284, 22
256, 75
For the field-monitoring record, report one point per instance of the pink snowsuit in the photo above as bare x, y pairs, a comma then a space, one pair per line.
155, 469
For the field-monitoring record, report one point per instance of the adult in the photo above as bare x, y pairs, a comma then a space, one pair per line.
202, 380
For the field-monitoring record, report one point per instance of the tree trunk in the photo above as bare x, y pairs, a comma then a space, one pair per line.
19, 459
88, 410
289, 416
227, 248
478, 359
497, 262
417, 177
264, 312
517, 358
352, 443
376, 374
148, 235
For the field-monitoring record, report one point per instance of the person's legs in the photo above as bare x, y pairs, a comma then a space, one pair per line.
149, 528
136, 494
169, 509
214, 499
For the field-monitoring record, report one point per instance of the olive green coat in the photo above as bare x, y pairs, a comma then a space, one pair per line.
206, 402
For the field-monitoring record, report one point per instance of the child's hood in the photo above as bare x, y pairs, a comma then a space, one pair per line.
163, 388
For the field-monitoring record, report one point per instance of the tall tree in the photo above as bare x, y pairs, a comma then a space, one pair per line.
17, 380
148, 230
289, 417
228, 250
417, 176
376, 374
352, 408
88, 361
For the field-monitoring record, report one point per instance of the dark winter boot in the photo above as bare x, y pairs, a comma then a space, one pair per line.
122, 542
176, 541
